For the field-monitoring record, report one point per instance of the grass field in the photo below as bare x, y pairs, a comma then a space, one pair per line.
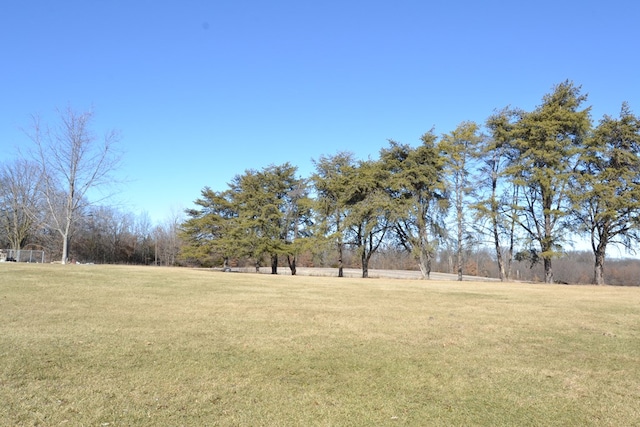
125, 346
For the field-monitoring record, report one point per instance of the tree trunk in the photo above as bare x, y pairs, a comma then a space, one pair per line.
340, 264
512, 237
598, 270
274, 264
291, 260
546, 242
65, 249
508, 270
424, 262
548, 270
496, 241
494, 216
424, 257
460, 221
365, 265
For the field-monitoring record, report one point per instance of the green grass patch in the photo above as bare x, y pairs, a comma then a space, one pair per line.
109, 345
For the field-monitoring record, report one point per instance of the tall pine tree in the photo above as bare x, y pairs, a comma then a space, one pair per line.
548, 142
607, 196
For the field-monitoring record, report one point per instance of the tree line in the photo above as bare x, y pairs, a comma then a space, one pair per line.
54, 196
525, 183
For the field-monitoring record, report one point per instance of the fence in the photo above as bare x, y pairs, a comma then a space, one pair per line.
21, 255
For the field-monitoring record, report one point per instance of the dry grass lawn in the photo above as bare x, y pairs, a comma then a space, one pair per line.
123, 346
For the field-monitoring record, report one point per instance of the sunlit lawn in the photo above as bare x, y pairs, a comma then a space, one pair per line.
121, 346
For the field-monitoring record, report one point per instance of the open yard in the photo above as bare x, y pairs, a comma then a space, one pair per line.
121, 346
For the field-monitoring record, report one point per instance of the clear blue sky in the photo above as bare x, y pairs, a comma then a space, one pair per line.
203, 90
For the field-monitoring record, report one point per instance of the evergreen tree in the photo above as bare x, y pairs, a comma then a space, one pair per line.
208, 232
547, 143
496, 196
607, 200
370, 210
459, 149
269, 203
417, 187
331, 180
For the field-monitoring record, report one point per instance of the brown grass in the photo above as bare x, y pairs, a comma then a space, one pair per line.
105, 345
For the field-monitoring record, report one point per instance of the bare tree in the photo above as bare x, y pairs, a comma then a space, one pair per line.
167, 239
19, 201
73, 161
143, 233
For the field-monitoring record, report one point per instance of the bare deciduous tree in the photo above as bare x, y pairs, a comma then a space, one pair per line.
73, 161
19, 201
167, 239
